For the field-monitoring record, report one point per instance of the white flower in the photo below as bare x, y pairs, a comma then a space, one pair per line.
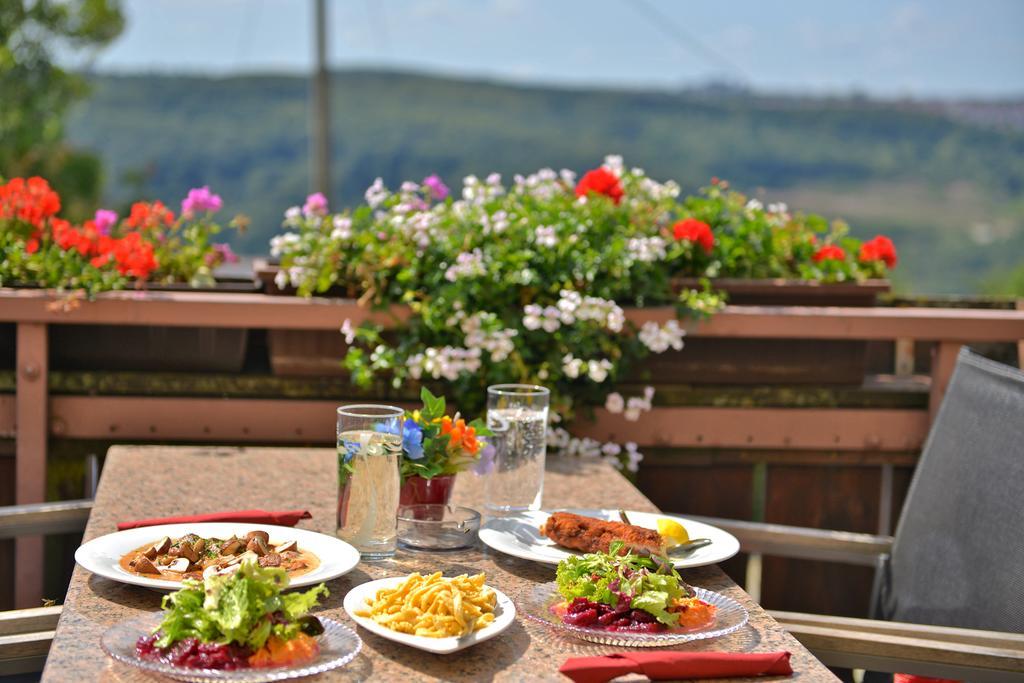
778, 207
532, 316
597, 370
558, 438
646, 249
552, 319
633, 457
611, 448
613, 162
648, 394
281, 279
348, 331
614, 403
754, 205
292, 215
545, 236
632, 414
342, 228
661, 339
376, 193
467, 264
572, 366
568, 177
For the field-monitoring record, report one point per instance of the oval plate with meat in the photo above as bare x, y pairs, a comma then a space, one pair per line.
111, 556
532, 535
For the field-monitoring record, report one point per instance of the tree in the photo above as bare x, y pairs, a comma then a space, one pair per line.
36, 91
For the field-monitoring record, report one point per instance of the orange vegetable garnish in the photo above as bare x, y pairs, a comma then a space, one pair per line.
277, 652
693, 612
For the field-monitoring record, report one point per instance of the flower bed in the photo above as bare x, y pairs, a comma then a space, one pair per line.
528, 282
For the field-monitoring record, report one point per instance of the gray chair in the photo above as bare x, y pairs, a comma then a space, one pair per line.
950, 584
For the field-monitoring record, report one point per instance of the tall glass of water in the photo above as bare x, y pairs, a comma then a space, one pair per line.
369, 458
518, 416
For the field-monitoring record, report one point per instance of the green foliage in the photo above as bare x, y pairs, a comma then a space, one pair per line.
36, 92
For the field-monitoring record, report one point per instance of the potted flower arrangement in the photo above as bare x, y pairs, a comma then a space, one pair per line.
436, 447
528, 281
148, 248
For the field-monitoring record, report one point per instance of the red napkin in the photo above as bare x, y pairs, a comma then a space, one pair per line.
280, 517
661, 666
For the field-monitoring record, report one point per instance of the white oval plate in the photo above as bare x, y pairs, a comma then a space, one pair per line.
103, 555
504, 615
519, 535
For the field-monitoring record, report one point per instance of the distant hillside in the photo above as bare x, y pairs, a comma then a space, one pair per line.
948, 191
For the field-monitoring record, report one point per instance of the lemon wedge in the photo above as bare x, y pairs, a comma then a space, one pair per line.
673, 532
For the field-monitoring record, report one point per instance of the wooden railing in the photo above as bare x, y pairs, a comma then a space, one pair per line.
32, 415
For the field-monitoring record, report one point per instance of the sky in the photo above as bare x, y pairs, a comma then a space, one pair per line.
890, 48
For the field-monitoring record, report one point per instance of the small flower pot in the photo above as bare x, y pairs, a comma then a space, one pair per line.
436, 491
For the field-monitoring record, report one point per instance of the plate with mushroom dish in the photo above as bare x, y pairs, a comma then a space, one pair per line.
161, 557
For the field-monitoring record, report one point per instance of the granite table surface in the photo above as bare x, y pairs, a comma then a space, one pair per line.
154, 481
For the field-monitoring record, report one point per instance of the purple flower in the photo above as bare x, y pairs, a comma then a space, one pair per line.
438, 190
316, 205
226, 254
200, 199
486, 462
105, 220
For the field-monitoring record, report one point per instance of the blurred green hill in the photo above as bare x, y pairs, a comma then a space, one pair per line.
949, 192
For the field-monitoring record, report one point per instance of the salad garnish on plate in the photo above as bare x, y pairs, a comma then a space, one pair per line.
236, 621
620, 590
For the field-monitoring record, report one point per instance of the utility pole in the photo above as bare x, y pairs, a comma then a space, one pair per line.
320, 130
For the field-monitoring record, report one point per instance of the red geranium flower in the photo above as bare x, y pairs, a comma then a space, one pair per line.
880, 248
145, 215
601, 181
31, 201
829, 252
695, 231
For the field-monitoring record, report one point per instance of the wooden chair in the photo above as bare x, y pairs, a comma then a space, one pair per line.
948, 599
26, 634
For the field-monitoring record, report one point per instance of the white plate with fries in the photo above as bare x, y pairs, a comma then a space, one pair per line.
362, 601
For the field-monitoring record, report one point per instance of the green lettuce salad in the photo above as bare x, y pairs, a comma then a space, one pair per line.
608, 578
244, 608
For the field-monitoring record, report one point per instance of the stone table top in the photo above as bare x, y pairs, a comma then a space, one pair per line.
153, 481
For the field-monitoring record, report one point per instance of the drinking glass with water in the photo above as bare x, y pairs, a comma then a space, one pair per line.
518, 416
369, 460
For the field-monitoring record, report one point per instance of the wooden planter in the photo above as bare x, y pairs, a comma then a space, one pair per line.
771, 361
154, 348
702, 361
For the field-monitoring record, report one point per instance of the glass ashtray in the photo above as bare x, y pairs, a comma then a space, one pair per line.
437, 526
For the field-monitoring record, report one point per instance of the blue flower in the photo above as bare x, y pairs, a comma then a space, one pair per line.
412, 439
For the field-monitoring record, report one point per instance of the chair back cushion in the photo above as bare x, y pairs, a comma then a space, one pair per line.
958, 555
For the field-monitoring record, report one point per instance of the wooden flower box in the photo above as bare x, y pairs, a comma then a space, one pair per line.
702, 361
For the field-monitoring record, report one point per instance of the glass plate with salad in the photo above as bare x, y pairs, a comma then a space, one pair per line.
235, 627
627, 599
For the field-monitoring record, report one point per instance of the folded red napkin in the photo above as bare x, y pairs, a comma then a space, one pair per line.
280, 517
661, 666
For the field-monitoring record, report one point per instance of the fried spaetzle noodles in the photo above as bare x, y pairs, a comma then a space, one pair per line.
433, 606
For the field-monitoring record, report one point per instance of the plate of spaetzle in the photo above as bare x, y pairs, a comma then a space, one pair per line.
434, 613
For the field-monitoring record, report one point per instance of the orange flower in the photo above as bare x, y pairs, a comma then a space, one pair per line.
460, 435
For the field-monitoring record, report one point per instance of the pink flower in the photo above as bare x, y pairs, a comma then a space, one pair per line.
105, 219
316, 205
200, 199
226, 254
438, 190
